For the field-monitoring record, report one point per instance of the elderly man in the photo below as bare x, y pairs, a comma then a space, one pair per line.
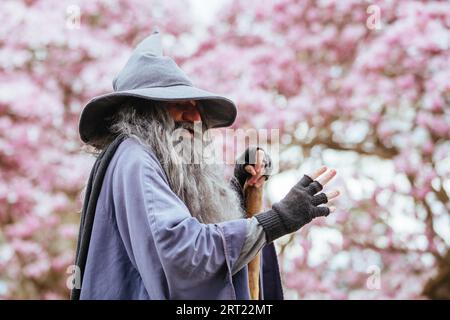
155, 226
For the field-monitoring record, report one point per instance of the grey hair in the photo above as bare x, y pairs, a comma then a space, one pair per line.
202, 187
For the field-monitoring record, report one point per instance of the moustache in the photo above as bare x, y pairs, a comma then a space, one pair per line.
184, 125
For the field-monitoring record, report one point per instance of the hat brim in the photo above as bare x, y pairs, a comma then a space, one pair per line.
217, 111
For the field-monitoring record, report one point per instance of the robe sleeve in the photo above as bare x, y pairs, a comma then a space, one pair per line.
159, 232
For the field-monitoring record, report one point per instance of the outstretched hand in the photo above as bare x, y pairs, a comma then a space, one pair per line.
301, 205
323, 176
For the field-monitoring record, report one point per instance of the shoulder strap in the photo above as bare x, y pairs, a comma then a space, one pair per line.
93, 189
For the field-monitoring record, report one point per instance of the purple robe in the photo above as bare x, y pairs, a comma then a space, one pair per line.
146, 245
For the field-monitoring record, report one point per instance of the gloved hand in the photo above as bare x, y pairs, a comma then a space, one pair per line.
297, 208
249, 158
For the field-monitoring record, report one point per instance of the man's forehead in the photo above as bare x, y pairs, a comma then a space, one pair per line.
184, 102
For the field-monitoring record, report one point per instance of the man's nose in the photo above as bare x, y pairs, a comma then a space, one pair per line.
191, 114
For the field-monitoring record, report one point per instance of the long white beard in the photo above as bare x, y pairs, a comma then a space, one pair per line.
201, 186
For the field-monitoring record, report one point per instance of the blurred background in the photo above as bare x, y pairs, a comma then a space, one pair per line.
361, 86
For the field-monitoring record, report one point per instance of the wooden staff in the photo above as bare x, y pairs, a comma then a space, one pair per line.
253, 205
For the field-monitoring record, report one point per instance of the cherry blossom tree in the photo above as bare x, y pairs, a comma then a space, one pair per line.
362, 86
358, 85
55, 55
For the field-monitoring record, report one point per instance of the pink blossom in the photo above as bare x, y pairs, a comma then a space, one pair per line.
287, 64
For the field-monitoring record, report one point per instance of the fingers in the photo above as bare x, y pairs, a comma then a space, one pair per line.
305, 181
322, 177
308, 178
321, 211
260, 182
319, 199
259, 161
325, 178
250, 169
333, 194
314, 187
322, 198
315, 183
256, 177
318, 172
259, 164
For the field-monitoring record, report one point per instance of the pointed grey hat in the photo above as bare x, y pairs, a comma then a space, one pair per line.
148, 75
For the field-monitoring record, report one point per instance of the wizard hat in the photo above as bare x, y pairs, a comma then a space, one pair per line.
148, 75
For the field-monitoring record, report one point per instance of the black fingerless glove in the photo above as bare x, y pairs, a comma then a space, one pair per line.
295, 210
249, 157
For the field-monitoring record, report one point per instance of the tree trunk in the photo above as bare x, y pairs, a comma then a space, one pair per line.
438, 287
